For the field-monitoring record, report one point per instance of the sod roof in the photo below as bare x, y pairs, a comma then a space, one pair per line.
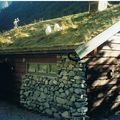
77, 29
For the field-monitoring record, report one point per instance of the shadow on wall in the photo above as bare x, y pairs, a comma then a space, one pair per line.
103, 80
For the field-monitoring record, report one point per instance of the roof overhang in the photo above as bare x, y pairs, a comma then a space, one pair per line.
88, 47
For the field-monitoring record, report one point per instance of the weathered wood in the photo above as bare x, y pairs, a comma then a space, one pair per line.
112, 46
88, 47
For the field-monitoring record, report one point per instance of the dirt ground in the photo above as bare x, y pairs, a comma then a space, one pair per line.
13, 112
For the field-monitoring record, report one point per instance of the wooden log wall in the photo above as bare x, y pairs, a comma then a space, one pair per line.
103, 78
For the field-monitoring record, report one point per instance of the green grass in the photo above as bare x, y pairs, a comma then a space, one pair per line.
78, 29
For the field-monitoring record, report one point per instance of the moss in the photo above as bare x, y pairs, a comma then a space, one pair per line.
77, 29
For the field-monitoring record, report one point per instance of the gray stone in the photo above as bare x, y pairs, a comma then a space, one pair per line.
48, 111
54, 82
63, 95
61, 90
71, 90
36, 94
67, 92
56, 93
45, 90
72, 110
41, 89
78, 81
77, 77
65, 78
72, 99
57, 115
76, 85
66, 114
64, 73
76, 114
71, 73
80, 104
70, 67
61, 100
46, 105
61, 85
77, 91
42, 95
46, 82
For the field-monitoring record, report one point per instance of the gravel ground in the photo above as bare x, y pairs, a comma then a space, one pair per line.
114, 117
12, 112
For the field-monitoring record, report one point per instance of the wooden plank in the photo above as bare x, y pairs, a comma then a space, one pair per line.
108, 53
101, 61
112, 47
88, 47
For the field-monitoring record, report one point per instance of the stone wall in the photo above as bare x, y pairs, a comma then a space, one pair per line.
62, 96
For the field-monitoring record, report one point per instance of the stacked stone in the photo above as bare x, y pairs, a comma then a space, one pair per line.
72, 75
63, 96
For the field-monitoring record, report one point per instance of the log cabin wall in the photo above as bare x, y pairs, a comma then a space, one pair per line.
103, 78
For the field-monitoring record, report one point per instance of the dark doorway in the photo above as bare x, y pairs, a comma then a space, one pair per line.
6, 81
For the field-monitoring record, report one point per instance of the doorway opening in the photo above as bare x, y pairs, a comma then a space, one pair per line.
6, 82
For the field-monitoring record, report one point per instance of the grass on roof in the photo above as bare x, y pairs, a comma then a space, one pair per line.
77, 29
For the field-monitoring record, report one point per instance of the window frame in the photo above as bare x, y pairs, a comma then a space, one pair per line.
48, 73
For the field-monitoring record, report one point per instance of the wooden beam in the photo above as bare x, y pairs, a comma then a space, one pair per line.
86, 48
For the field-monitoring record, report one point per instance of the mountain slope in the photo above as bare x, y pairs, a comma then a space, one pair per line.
30, 11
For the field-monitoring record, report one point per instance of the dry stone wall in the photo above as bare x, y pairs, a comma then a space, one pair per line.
63, 96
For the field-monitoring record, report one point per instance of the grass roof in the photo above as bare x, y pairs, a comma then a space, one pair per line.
77, 29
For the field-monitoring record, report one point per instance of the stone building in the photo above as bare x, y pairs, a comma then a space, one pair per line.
70, 74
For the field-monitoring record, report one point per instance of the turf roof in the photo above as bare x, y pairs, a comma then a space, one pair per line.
77, 29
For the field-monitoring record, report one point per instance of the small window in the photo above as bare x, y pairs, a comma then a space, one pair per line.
40, 68
31, 67
52, 68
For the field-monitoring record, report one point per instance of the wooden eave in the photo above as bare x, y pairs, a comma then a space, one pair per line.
44, 50
89, 46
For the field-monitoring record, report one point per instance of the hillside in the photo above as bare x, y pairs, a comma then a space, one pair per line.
31, 11
76, 30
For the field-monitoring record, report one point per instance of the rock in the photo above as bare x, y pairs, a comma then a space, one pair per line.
77, 77
54, 82
66, 114
36, 94
77, 91
117, 113
76, 114
72, 109
56, 93
67, 92
71, 90
61, 90
70, 67
46, 105
82, 109
76, 85
64, 73
65, 78
45, 90
71, 73
63, 95
78, 104
42, 95
61, 85
61, 100
48, 111
57, 115
72, 99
